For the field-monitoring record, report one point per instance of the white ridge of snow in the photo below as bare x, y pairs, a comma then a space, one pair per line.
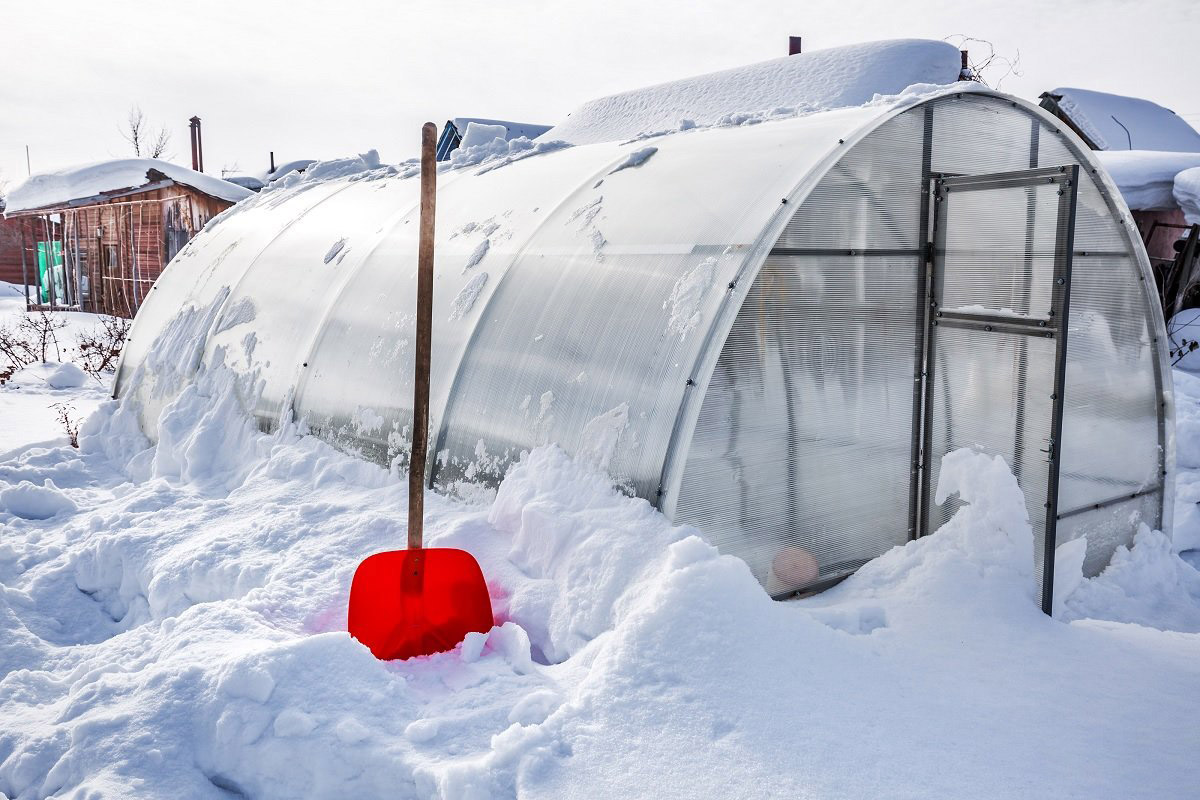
87, 181
1186, 191
822, 79
464, 301
686, 296
1146, 178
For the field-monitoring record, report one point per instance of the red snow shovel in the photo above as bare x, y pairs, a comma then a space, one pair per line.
419, 601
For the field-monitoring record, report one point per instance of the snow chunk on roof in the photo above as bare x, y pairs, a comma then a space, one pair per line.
823, 79
78, 184
1116, 122
512, 130
1146, 178
1187, 194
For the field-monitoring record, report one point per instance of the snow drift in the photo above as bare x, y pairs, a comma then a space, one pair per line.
823, 79
177, 629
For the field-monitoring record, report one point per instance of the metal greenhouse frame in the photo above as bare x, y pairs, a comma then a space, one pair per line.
772, 332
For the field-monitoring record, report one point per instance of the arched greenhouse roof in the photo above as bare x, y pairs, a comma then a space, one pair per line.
727, 319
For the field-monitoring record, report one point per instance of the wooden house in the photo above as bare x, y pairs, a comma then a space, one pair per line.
95, 238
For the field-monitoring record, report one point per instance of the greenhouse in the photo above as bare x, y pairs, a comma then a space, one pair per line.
772, 332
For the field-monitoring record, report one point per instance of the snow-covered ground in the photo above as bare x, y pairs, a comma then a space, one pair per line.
27, 401
172, 624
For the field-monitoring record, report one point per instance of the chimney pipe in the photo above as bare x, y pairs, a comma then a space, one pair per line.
964, 60
199, 145
194, 133
272, 172
793, 45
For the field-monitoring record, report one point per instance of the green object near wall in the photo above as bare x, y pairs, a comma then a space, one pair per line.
50, 267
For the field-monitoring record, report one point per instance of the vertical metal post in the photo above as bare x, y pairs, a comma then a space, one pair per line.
933, 297
1018, 458
424, 339
923, 298
1065, 244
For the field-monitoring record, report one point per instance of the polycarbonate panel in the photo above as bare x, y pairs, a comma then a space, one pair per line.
804, 441
268, 315
991, 392
974, 135
200, 278
871, 198
592, 338
1113, 430
1001, 257
1108, 528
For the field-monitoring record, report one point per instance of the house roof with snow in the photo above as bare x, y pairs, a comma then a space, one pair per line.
104, 180
1116, 122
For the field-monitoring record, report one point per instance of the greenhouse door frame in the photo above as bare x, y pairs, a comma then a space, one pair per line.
980, 323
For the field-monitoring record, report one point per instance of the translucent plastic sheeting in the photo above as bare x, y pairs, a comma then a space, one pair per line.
805, 436
730, 322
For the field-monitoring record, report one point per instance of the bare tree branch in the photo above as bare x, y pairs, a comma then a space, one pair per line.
990, 62
134, 131
137, 133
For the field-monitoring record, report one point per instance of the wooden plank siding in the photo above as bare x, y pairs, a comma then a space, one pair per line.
115, 249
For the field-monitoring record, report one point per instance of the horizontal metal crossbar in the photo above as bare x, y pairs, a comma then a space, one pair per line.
1005, 180
1000, 323
1112, 501
844, 251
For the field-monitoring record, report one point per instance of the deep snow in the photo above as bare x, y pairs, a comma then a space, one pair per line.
175, 627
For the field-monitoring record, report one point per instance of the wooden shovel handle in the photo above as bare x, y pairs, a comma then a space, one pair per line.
420, 429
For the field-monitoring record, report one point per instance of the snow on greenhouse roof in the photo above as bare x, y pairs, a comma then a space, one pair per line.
1146, 178
823, 79
1116, 122
79, 184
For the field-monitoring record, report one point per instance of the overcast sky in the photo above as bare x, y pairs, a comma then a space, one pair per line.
327, 79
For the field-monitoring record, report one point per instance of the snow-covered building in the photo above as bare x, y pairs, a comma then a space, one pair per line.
770, 321
1144, 146
456, 130
104, 232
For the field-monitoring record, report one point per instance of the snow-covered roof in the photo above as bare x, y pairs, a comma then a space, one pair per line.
82, 184
1146, 178
1116, 122
286, 168
1187, 193
513, 130
823, 79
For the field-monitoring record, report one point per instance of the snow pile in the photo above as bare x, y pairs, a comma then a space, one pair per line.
89, 181
365, 166
823, 79
1146, 178
512, 130
1116, 122
174, 625
478, 133
1187, 194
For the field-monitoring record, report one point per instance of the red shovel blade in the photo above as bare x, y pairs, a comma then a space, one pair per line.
407, 603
